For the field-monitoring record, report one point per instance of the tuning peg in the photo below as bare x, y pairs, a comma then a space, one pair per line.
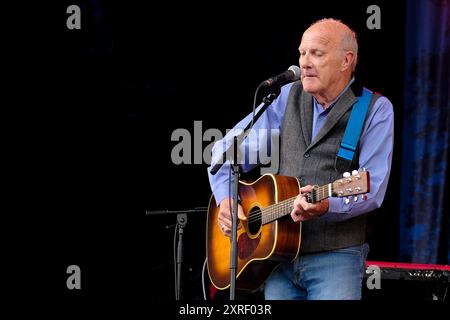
346, 174
354, 172
346, 200
355, 199
363, 197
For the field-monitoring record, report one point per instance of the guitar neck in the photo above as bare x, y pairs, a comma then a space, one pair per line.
283, 208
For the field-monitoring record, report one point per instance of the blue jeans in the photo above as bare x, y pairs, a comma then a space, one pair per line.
331, 275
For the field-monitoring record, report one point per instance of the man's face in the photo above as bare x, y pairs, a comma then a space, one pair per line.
320, 60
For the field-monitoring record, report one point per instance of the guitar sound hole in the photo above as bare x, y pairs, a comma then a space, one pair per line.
254, 220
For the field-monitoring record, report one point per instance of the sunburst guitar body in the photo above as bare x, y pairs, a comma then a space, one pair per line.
269, 235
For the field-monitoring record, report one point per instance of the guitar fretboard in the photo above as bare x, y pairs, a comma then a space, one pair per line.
283, 208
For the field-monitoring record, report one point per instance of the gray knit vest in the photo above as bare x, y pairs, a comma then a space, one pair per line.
314, 163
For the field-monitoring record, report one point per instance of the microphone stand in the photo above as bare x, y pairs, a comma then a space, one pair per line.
237, 140
233, 256
181, 224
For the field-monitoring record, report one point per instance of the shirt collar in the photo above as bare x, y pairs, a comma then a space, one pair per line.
319, 108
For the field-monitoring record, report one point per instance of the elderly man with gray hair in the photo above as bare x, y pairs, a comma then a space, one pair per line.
313, 115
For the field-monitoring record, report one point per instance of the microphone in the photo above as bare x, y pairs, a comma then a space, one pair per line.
290, 75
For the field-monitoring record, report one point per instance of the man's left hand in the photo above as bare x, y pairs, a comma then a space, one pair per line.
303, 210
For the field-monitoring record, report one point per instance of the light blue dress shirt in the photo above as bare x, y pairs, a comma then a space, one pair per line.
375, 155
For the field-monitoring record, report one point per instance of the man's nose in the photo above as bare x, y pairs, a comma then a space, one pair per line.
305, 62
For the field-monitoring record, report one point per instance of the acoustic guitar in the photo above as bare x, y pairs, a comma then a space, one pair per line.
269, 235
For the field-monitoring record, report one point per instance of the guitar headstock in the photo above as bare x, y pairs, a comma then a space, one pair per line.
352, 184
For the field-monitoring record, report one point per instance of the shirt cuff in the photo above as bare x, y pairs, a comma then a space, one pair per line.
220, 194
335, 212
337, 205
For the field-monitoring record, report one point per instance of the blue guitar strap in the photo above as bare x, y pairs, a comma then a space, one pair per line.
354, 126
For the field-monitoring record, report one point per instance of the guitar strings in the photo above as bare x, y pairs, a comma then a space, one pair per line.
274, 210
268, 211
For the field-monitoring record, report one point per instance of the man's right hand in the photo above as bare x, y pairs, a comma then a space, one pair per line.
224, 218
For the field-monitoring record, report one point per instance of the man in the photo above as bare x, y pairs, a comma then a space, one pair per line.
312, 116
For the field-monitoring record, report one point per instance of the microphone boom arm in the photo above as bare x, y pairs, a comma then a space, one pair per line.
240, 138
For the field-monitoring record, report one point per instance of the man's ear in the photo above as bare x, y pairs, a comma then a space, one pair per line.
348, 60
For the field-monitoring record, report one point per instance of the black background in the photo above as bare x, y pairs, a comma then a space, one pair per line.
103, 101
